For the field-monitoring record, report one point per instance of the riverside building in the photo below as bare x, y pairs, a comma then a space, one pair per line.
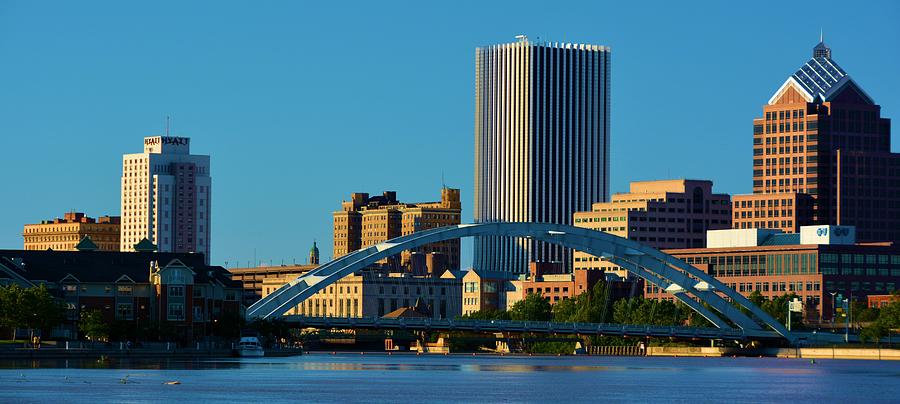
67, 233
364, 221
375, 293
822, 155
134, 290
660, 214
817, 263
166, 197
541, 143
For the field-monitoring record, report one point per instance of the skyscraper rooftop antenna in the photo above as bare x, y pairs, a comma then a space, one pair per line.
167, 125
821, 35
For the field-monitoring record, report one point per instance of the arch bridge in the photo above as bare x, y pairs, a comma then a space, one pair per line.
688, 284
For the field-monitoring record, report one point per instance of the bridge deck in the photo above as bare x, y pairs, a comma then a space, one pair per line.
544, 327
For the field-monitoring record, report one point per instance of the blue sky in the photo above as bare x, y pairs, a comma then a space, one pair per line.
300, 104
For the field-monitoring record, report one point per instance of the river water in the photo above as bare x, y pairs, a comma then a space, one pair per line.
379, 378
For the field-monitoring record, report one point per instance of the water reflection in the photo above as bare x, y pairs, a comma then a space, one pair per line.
376, 378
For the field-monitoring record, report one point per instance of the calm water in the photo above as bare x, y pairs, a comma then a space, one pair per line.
408, 378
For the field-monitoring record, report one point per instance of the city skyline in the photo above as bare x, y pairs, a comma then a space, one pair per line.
240, 230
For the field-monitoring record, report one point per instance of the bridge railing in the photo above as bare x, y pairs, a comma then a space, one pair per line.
522, 326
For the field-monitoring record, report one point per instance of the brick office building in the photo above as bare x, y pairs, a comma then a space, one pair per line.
64, 234
660, 214
822, 155
364, 221
814, 264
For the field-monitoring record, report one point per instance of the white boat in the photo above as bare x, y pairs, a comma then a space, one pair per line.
250, 346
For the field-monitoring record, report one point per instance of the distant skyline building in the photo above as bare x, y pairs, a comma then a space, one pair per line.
68, 232
166, 194
364, 221
541, 143
660, 214
822, 155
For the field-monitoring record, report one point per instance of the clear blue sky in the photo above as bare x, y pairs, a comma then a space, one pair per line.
301, 104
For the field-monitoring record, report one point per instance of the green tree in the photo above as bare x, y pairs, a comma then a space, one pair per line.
41, 310
776, 307
591, 306
564, 310
533, 307
875, 331
32, 308
639, 310
887, 320
486, 314
92, 325
8, 306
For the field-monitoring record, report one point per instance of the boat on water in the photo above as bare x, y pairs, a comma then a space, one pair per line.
250, 346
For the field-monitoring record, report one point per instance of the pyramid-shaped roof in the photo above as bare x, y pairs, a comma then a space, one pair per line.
86, 244
145, 246
820, 79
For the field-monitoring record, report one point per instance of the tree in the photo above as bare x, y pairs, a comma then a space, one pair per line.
32, 308
591, 306
888, 319
639, 310
41, 309
92, 325
565, 310
778, 306
533, 307
486, 314
8, 307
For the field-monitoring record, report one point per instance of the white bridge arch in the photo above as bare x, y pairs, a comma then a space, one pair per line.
687, 283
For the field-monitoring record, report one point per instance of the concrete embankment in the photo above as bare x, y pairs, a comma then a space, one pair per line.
809, 353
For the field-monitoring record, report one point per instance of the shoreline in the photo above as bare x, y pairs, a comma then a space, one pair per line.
130, 354
691, 352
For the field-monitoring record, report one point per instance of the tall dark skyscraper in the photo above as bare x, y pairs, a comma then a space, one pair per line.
822, 155
541, 142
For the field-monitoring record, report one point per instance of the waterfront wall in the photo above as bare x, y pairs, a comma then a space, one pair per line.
840, 353
807, 353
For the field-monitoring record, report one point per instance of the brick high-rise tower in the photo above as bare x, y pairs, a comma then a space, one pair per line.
821, 155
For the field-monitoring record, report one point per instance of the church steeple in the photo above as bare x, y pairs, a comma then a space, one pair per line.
314, 254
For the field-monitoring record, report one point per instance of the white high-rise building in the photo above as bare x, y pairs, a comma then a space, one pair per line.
166, 197
541, 143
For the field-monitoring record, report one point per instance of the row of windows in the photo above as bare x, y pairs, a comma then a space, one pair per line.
870, 259
856, 286
783, 127
860, 271
786, 114
772, 203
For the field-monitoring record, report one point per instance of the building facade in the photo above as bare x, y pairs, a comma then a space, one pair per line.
252, 278
822, 147
817, 264
541, 143
142, 290
374, 293
166, 197
65, 234
554, 284
364, 221
660, 214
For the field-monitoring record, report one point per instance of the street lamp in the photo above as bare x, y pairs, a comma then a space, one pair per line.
833, 310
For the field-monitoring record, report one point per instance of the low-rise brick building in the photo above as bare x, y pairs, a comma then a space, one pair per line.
174, 291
